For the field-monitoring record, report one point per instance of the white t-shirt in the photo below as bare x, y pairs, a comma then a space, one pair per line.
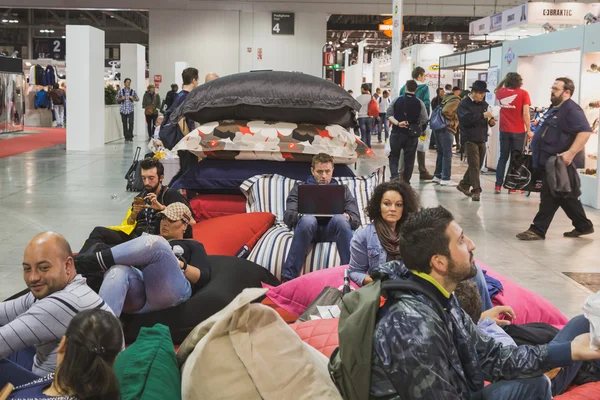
364, 100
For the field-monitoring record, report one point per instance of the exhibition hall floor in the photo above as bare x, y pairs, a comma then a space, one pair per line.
70, 193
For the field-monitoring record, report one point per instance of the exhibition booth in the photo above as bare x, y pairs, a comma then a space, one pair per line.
12, 101
572, 53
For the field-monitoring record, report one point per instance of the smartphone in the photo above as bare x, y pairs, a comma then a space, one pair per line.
138, 200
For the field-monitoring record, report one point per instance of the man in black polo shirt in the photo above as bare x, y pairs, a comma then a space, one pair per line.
143, 214
564, 131
407, 115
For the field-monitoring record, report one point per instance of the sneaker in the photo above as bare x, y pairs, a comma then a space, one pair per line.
575, 233
498, 189
475, 197
513, 191
448, 183
463, 190
436, 180
529, 235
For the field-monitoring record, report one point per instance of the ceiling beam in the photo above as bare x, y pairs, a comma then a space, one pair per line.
96, 21
60, 21
125, 21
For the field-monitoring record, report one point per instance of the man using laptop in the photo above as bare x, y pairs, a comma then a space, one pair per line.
309, 228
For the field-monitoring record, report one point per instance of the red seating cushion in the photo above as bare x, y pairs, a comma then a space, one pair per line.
206, 206
322, 334
232, 235
589, 391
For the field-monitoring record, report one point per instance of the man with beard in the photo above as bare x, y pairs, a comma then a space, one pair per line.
156, 197
563, 130
32, 325
429, 348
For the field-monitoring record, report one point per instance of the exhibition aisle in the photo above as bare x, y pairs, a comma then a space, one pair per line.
31, 139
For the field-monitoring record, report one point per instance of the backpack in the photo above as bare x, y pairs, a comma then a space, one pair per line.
42, 99
170, 133
134, 174
373, 108
437, 121
350, 363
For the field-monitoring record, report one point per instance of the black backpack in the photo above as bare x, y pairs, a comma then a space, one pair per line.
350, 363
134, 174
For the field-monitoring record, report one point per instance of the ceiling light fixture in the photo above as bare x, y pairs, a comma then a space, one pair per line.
330, 42
4, 21
64, 37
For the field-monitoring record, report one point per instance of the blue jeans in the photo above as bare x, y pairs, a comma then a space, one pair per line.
365, 125
519, 389
486, 300
443, 144
508, 143
309, 231
383, 123
159, 284
574, 328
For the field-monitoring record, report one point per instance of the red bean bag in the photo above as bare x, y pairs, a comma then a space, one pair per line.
232, 235
589, 391
322, 334
206, 206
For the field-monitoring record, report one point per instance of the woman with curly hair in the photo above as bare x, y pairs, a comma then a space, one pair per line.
379, 242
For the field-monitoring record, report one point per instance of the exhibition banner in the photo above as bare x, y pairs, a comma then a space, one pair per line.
537, 14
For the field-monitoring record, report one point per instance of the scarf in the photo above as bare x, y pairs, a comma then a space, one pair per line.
390, 240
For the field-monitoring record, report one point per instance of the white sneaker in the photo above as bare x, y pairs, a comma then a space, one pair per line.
448, 183
436, 180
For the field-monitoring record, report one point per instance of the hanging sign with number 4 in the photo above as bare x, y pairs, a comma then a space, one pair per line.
282, 23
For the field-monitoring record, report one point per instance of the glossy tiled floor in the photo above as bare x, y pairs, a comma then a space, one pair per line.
70, 193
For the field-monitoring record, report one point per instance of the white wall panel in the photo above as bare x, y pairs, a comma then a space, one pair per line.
207, 40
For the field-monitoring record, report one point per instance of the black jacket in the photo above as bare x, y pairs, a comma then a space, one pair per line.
473, 125
291, 205
147, 220
408, 108
562, 180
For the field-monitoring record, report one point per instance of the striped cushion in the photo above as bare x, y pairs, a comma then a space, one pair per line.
268, 193
271, 251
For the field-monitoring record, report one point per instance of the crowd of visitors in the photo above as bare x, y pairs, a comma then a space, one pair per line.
61, 338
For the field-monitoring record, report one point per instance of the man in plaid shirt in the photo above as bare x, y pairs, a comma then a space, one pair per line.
126, 97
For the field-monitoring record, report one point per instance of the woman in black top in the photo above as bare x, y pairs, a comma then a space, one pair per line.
151, 272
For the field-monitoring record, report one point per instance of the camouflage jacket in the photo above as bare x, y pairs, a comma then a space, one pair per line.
418, 356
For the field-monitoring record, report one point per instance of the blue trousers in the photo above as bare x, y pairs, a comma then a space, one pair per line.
160, 285
518, 389
443, 144
383, 124
365, 125
16, 368
309, 231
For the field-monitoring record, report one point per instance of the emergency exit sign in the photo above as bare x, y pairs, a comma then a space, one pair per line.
282, 23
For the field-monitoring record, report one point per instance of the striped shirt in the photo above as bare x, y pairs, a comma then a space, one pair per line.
26, 322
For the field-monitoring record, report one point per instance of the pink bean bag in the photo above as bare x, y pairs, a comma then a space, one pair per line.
296, 295
528, 306
322, 334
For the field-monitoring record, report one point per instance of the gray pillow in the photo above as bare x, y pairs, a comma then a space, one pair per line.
270, 96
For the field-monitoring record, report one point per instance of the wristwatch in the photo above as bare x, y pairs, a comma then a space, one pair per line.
185, 265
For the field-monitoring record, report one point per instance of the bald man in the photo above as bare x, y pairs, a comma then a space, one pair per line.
211, 76
40, 318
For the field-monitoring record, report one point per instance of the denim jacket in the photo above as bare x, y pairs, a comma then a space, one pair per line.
366, 253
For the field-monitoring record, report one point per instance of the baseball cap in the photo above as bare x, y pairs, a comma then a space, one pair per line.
178, 211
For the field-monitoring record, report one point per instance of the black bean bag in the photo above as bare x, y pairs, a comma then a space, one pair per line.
17, 295
270, 96
229, 277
